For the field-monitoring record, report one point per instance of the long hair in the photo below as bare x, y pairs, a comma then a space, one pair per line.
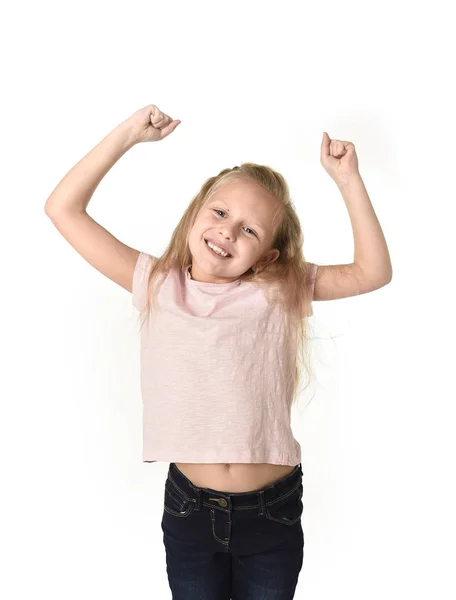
286, 280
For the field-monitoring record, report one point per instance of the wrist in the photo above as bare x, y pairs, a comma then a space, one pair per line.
348, 181
126, 134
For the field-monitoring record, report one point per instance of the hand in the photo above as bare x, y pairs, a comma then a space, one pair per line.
338, 159
150, 124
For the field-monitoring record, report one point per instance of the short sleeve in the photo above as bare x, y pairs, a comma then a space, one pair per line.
313, 277
141, 274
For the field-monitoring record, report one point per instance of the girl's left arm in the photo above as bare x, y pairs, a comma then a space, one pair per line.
371, 252
371, 268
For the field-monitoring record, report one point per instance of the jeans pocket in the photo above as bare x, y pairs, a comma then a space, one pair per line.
288, 508
176, 502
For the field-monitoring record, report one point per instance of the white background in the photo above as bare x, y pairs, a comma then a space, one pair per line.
250, 81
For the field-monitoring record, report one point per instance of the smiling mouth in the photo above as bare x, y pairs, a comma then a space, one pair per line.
215, 253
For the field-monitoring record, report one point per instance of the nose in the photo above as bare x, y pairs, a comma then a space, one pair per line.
228, 233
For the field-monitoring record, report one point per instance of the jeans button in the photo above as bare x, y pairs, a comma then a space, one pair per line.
221, 501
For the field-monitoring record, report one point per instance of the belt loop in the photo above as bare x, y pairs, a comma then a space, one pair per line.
198, 500
261, 502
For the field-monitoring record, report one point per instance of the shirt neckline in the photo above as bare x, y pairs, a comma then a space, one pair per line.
209, 285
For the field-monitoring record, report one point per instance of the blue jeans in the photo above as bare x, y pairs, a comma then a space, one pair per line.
225, 545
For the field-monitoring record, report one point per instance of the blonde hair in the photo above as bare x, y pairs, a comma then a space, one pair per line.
289, 274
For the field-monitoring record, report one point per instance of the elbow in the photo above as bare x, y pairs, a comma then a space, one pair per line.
386, 280
47, 208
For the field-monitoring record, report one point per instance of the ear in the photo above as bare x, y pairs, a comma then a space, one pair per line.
269, 257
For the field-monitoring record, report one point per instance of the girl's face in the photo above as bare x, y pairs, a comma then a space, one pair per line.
239, 219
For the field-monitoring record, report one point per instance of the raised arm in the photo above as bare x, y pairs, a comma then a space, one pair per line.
371, 268
66, 207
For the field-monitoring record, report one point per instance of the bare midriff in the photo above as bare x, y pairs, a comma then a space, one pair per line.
234, 477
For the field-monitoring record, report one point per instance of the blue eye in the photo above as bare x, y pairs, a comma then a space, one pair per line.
217, 210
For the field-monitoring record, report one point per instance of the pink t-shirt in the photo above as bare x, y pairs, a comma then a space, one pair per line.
214, 372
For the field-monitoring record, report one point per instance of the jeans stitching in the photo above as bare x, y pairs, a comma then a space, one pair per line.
251, 507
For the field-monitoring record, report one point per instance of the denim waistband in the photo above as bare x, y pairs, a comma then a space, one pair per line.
282, 487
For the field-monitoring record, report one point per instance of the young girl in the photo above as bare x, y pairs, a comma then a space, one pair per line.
224, 324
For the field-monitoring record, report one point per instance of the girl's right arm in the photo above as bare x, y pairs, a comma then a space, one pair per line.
66, 206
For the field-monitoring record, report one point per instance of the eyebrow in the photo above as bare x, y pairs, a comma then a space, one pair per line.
228, 210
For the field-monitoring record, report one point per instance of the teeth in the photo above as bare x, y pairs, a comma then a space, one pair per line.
217, 249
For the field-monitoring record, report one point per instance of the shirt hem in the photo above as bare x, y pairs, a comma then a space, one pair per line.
275, 459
